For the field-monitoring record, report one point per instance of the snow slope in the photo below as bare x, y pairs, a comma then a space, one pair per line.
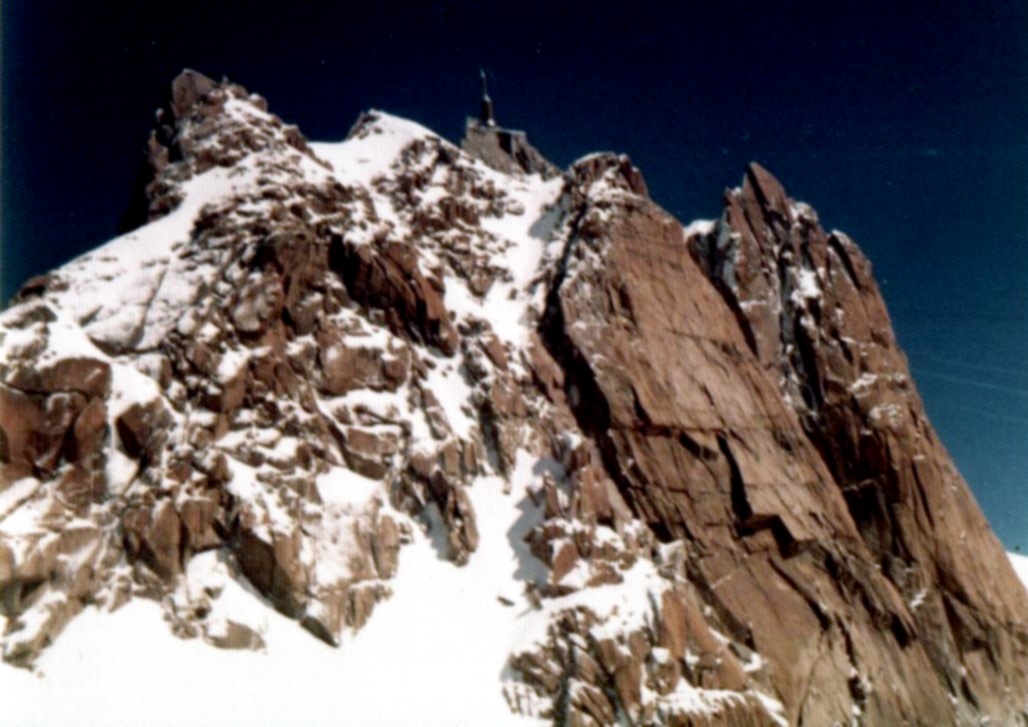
384, 676
440, 617
1020, 563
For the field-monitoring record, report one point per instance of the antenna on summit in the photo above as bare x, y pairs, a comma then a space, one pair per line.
486, 116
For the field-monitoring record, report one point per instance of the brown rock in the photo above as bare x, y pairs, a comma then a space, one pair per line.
83, 375
596, 499
449, 460
78, 488
274, 568
591, 700
548, 375
366, 452
386, 547
389, 277
437, 422
90, 431
199, 518
230, 394
6, 564
78, 374
422, 464
346, 367
188, 89
21, 421
494, 349
672, 634
564, 561
661, 376
362, 600
849, 383
458, 515
141, 427
154, 536
34, 430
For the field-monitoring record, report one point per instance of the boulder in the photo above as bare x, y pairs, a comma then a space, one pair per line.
389, 277
141, 428
154, 537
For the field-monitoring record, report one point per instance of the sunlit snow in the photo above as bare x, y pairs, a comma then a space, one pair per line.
432, 654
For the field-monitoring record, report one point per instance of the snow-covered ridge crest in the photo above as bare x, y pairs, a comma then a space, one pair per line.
228, 151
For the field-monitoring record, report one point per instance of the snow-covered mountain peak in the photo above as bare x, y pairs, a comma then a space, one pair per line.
607, 173
207, 124
512, 438
301, 328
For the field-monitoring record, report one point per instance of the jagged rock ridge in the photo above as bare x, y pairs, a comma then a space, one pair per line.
316, 358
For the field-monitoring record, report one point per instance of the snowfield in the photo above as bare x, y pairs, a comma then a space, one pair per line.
126, 667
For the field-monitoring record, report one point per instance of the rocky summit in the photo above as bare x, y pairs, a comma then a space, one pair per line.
662, 474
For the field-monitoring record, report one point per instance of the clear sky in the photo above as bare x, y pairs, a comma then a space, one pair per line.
905, 126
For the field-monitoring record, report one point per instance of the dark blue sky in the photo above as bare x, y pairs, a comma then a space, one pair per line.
906, 126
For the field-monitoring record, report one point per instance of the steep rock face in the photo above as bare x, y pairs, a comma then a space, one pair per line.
318, 358
815, 319
706, 453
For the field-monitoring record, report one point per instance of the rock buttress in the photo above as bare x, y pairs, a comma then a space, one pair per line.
696, 435
814, 318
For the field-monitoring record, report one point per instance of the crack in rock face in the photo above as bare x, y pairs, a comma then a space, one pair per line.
682, 474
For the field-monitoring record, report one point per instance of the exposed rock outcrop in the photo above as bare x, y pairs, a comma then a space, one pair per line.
707, 454
814, 317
